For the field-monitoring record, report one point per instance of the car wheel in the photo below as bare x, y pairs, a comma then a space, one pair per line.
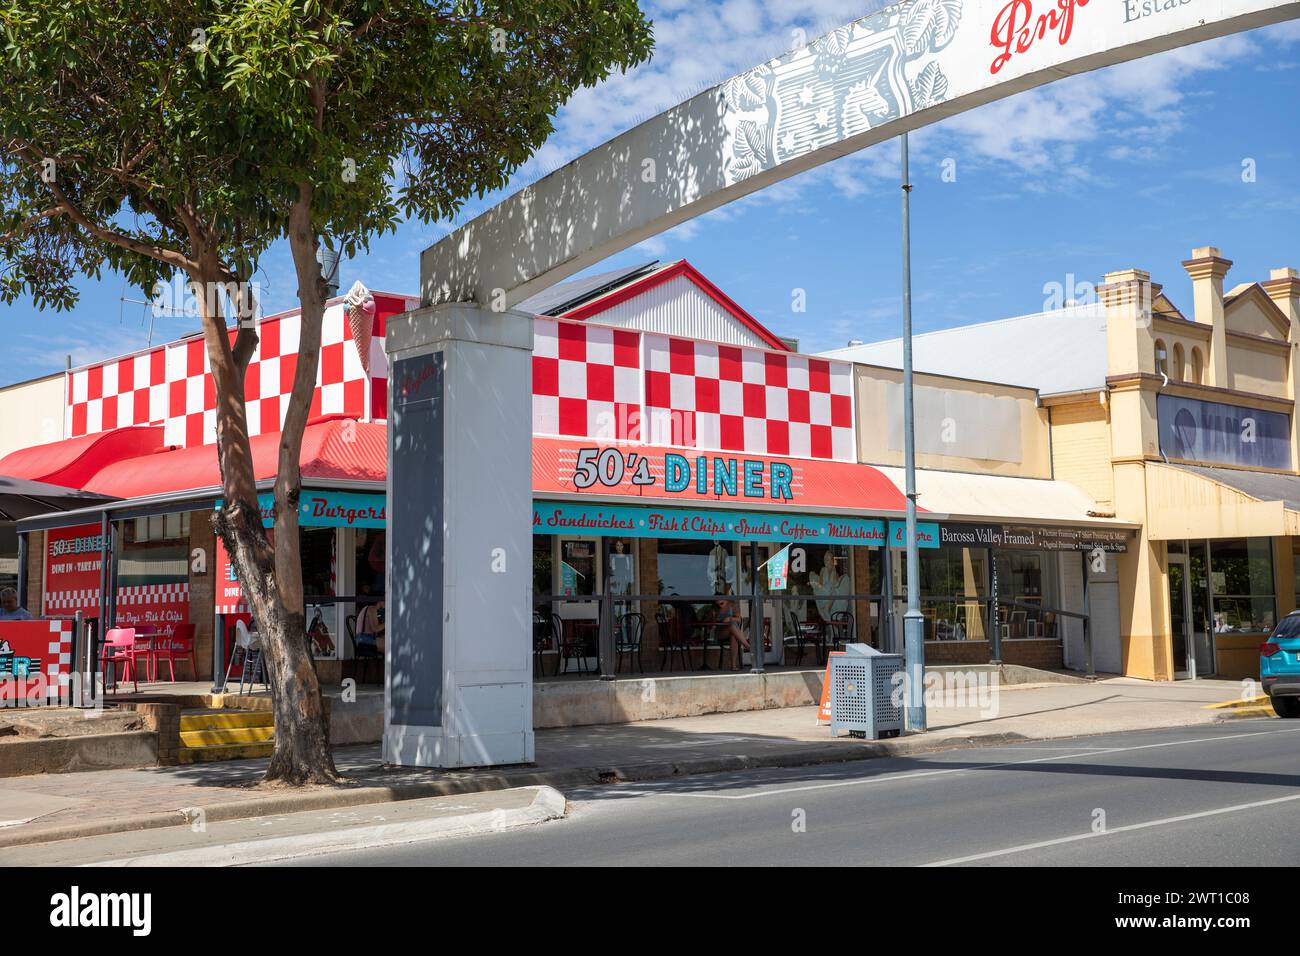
1287, 706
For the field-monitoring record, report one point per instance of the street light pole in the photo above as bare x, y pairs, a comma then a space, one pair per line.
913, 622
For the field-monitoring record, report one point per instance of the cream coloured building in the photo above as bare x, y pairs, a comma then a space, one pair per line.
1177, 421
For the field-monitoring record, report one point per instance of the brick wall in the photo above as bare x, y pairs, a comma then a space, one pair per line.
862, 585
202, 589
165, 721
647, 556
35, 571
1043, 654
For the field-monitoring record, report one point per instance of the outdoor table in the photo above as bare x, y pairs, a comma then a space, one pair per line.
718, 643
145, 635
832, 626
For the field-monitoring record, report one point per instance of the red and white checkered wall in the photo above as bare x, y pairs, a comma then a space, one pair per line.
171, 385
597, 382
589, 381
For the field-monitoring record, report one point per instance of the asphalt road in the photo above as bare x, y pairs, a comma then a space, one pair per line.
1222, 795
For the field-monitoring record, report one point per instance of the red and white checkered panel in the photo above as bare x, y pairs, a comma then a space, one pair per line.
117, 393
172, 385
728, 398
86, 600
58, 664
586, 380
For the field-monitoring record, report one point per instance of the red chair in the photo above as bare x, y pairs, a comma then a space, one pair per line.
180, 646
119, 648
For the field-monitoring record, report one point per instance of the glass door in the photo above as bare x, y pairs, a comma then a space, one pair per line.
1180, 612
578, 575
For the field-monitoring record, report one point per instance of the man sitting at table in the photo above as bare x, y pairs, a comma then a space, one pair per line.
9, 609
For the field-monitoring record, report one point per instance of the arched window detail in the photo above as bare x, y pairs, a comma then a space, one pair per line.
1196, 365
1177, 373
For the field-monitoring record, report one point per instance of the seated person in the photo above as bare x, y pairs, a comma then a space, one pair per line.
9, 609
370, 630
726, 614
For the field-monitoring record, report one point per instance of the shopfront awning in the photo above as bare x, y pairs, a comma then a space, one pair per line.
73, 462
21, 498
1197, 501
997, 498
338, 449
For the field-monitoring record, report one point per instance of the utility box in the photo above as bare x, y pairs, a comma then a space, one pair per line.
863, 689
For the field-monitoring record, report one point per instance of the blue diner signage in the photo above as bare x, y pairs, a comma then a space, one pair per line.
555, 517
330, 509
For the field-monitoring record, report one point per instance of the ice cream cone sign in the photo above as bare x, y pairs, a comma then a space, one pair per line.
360, 305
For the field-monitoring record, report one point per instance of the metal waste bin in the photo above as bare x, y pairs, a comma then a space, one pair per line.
866, 698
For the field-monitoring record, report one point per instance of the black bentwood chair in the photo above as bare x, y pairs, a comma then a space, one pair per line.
840, 628
571, 647
672, 638
627, 640
543, 635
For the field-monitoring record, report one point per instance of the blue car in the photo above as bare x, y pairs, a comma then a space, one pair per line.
1279, 666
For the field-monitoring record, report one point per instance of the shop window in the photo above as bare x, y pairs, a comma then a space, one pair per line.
8, 556
620, 567
621, 559
954, 592
369, 557
543, 565
578, 567
695, 567
1241, 582
1197, 369
1177, 373
155, 550
316, 546
1026, 592
825, 573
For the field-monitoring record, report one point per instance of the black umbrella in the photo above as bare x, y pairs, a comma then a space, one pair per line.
20, 498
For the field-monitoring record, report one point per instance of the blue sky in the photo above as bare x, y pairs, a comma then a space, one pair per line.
1129, 166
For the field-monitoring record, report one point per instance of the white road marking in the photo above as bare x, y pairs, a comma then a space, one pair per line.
992, 854
891, 778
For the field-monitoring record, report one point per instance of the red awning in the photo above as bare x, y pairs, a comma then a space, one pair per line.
337, 449
817, 486
73, 462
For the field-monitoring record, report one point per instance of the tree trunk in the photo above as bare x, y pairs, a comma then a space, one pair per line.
302, 755
270, 574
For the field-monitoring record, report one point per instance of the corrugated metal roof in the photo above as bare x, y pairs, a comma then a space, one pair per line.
567, 295
1260, 485
1059, 351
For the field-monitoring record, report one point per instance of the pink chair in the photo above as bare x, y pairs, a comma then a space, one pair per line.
119, 648
180, 646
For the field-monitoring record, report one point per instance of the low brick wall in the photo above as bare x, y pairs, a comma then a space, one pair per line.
164, 719
1040, 653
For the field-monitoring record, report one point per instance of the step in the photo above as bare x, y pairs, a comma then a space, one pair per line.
224, 752
225, 719
226, 735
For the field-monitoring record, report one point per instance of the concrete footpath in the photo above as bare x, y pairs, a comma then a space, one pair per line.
289, 836
49, 808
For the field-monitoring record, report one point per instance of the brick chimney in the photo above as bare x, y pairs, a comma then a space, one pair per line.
1127, 297
1207, 269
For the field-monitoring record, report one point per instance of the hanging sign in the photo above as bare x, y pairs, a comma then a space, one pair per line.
778, 568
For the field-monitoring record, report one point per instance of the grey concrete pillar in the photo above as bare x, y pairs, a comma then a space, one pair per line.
458, 661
